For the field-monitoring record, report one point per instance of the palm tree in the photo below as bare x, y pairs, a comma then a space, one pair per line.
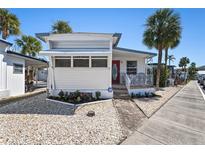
171, 58
9, 24
157, 33
192, 71
61, 26
173, 37
172, 46
29, 45
184, 61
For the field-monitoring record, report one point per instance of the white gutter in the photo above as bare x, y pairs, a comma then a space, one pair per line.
61, 53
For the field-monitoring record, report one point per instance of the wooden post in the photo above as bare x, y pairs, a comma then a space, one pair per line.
36, 70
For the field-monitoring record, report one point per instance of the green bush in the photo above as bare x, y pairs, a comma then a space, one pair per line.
97, 95
78, 99
75, 97
61, 94
132, 95
66, 96
143, 95
77, 93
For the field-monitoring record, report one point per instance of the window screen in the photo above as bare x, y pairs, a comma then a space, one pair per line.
63, 62
81, 61
131, 67
99, 61
18, 68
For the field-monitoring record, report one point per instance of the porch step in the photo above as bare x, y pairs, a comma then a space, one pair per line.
120, 92
119, 87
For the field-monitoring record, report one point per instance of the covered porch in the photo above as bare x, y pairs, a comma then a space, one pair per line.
32, 67
130, 69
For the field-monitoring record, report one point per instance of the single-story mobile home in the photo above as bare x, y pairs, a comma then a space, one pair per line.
92, 62
12, 70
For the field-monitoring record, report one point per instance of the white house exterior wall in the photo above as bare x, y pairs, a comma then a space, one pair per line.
4, 92
15, 82
80, 44
86, 79
74, 78
83, 79
141, 65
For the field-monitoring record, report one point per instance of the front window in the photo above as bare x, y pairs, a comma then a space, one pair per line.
62, 61
99, 61
17, 68
81, 61
132, 67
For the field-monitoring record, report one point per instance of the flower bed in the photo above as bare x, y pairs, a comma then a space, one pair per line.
76, 97
144, 95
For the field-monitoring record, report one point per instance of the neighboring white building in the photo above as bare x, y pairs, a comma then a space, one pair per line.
91, 62
42, 74
201, 70
12, 70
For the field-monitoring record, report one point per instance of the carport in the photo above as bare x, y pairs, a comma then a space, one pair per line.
32, 65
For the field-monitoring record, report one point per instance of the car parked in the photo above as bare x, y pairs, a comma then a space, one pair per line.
201, 79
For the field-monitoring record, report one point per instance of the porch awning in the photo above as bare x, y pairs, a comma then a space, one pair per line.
30, 61
134, 52
75, 52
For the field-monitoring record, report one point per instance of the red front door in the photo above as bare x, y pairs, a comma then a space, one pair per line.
115, 72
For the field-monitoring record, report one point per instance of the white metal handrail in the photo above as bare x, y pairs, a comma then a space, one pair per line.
127, 81
139, 79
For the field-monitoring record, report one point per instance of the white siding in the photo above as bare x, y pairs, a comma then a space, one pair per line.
80, 44
15, 82
82, 78
42, 75
141, 66
1, 70
2, 66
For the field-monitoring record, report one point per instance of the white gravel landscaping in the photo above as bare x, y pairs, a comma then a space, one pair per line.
35, 121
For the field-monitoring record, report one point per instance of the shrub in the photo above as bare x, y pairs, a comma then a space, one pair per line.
132, 95
61, 94
138, 95
142, 95
97, 95
78, 99
76, 93
86, 97
146, 94
74, 97
66, 96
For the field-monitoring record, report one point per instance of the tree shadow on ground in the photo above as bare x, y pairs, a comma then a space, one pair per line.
36, 105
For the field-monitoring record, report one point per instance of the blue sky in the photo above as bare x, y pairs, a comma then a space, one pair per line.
129, 22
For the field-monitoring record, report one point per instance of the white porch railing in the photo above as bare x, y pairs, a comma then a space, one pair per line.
139, 79
127, 82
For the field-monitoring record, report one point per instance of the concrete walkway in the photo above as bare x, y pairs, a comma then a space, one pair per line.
180, 121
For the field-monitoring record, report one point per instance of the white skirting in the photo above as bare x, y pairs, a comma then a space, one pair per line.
4, 93
141, 91
104, 93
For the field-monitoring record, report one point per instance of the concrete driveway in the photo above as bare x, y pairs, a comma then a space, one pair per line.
180, 121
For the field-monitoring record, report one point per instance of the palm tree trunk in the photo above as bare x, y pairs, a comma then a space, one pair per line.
159, 68
165, 67
166, 57
4, 33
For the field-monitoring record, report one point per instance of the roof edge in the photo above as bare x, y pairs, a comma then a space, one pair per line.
22, 55
135, 51
6, 42
42, 35
118, 35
